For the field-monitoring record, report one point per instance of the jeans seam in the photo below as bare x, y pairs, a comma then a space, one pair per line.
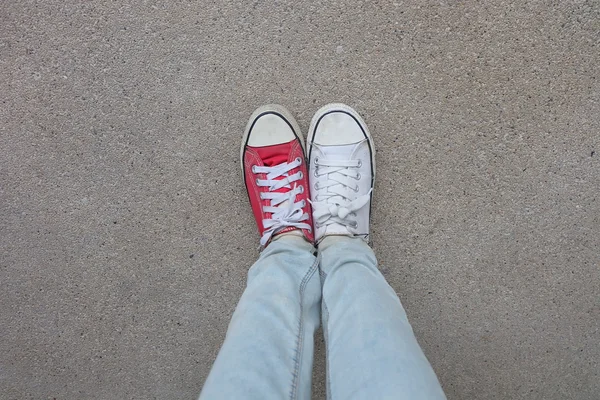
326, 337
300, 337
325, 320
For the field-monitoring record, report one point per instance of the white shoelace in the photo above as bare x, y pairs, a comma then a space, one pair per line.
286, 211
336, 198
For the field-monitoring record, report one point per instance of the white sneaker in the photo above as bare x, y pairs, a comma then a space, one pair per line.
341, 157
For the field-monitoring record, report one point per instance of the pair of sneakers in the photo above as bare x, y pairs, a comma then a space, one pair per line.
336, 176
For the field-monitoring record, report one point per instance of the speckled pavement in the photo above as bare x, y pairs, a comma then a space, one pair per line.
125, 231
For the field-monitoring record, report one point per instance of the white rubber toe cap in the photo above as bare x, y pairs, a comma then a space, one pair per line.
337, 128
268, 130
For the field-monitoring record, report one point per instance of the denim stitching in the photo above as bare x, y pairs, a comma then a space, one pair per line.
300, 340
326, 336
323, 276
325, 321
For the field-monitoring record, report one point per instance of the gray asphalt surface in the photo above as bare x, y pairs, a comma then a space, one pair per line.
126, 233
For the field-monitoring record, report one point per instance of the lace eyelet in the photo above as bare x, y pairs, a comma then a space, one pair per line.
257, 181
359, 163
357, 189
298, 159
301, 189
315, 174
316, 160
301, 175
354, 225
254, 169
357, 177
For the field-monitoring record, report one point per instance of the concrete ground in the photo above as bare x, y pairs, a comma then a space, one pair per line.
126, 233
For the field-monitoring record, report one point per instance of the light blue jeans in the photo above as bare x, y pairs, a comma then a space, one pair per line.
372, 352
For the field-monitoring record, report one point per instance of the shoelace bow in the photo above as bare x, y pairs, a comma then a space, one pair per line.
333, 202
285, 210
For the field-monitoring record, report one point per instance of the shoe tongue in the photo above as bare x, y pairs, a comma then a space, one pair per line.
339, 152
275, 155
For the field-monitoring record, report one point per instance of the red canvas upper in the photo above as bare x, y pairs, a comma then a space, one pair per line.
270, 156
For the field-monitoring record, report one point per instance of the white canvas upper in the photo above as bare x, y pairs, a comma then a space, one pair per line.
341, 172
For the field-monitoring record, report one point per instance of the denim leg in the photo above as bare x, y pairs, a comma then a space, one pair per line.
372, 352
268, 350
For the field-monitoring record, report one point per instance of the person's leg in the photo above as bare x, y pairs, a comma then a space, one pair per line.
372, 352
371, 349
268, 351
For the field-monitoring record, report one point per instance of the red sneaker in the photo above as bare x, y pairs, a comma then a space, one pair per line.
275, 174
